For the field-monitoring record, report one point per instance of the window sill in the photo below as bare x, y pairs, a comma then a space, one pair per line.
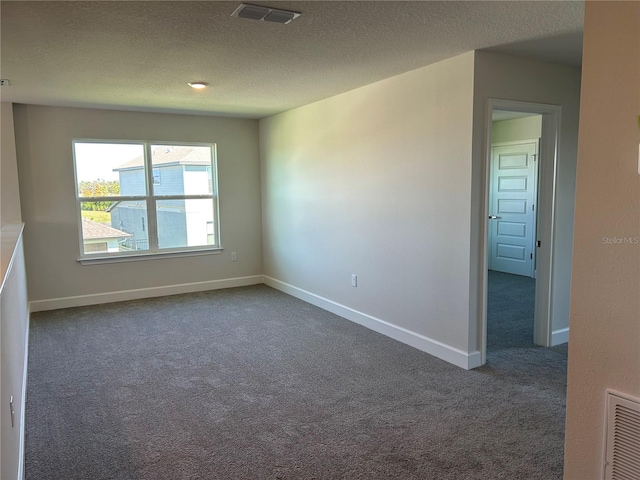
147, 256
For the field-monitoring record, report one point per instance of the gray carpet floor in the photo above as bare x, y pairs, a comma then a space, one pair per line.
511, 300
250, 383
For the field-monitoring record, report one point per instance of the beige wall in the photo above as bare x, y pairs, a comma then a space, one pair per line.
525, 128
375, 182
45, 166
604, 342
9, 194
520, 79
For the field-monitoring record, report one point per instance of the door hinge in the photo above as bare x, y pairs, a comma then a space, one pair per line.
531, 256
533, 207
535, 156
538, 243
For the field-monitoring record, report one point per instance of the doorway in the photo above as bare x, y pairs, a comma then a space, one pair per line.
521, 157
513, 197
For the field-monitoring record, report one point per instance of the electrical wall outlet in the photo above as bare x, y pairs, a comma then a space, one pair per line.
354, 280
234, 257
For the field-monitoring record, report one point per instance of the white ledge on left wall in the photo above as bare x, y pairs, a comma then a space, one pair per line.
138, 293
9, 236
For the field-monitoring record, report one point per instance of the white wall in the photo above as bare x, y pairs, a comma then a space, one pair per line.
520, 79
604, 343
45, 166
376, 182
516, 129
14, 319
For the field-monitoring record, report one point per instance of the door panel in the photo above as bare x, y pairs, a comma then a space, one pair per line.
512, 229
510, 252
512, 208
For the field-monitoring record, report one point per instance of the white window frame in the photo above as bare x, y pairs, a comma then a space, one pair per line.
151, 199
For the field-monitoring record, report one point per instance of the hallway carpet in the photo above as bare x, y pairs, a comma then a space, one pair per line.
510, 311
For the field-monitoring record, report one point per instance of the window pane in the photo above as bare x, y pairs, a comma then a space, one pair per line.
109, 169
181, 170
185, 223
114, 226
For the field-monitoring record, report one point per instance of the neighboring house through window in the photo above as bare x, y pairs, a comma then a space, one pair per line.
101, 238
147, 197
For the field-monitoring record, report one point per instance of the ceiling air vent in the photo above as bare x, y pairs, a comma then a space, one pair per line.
255, 12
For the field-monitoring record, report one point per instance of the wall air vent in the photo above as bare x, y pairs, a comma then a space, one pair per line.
255, 12
622, 448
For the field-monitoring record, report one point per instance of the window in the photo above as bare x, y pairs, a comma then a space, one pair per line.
125, 210
210, 234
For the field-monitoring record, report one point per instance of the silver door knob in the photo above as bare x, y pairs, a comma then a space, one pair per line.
493, 217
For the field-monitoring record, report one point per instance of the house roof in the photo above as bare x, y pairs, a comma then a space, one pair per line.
164, 156
136, 55
93, 230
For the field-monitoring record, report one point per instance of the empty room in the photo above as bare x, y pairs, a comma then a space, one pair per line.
303, 240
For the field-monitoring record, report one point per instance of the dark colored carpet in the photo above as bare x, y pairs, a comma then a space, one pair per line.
510, 308
250, 383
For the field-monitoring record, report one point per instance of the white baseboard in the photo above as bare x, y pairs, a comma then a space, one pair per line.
123, 295
558, 337
433, 347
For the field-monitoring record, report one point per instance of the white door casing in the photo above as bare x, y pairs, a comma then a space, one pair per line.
546, 288
512, 207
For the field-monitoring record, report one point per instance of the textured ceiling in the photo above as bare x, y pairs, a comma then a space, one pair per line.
141, 54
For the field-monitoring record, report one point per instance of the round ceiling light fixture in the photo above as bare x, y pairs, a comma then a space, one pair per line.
198, 85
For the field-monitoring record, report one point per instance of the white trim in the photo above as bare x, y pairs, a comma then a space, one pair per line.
546, 232
560, 336
138, 293
136, 257
433, 347
547, 180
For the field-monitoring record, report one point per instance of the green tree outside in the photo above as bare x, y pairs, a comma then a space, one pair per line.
97, 211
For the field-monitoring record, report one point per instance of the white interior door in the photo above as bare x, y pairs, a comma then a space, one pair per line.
512, 215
